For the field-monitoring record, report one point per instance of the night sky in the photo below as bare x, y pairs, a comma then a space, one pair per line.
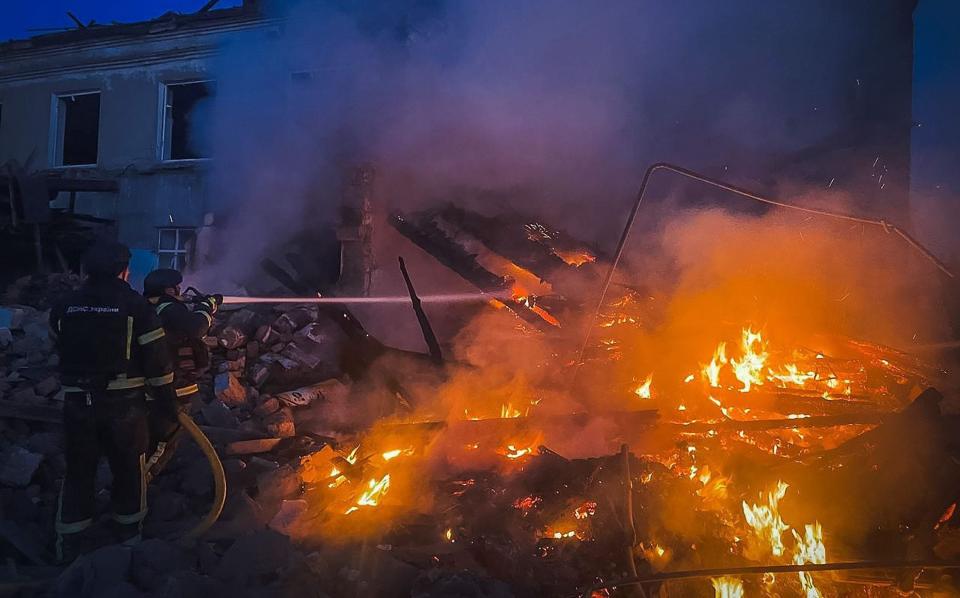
23, 16
936, 85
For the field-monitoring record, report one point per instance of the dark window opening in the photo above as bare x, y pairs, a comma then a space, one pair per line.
175, 247
186, 114
78, 121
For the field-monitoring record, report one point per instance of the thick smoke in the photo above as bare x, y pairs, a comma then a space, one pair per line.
554, 107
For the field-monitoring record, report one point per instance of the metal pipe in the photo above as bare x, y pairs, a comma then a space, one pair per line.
691, 174
761, 569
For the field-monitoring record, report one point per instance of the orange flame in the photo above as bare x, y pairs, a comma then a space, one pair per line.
749, 369
643, 391
376, 489
711, 371
765, 519
727, 587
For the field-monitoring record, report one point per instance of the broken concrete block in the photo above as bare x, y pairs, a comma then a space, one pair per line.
317, 347
267, 407
295, 319
196, 479
45, 443
6, 337
315, 467
288, 517
229, 390
301, 397
259, 373
260, 465
216, 413
152, 560
231, 338
252, 447
97, 573
12, 318
47, 386
280, 483
245, 320
233, 466
24, 395
253, 556
253, 350
280, 424
266, 335
169, 506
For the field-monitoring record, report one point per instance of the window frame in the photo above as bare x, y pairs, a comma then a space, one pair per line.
163, 96
179, 252
57, 128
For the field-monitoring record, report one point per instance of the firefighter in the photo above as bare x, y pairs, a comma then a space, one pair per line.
111, 348
185, 330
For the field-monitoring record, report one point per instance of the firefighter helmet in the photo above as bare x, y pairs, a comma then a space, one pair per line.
158, 280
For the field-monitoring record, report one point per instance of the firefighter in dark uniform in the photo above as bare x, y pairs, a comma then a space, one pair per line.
185, 330
111, 347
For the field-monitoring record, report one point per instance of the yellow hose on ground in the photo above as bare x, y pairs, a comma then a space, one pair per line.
219, 478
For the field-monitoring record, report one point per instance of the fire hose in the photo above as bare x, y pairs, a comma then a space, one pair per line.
216, 469
219, 478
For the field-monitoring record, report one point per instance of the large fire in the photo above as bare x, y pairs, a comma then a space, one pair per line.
724, 419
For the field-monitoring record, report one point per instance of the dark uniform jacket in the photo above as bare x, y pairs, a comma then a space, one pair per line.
110, 338
185, 330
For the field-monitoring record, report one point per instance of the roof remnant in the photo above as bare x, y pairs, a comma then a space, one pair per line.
168, 21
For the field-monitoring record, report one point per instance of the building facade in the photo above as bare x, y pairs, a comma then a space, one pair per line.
123, 103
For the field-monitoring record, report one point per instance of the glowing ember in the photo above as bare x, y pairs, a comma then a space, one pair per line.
512, 452
387, 456
585, 510
527, 504
448, 535
765, 519
749, 369
575, 258
508, 411
562, 535
727, 587
643, 391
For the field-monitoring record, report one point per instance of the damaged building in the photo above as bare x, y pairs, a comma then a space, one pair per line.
488, 401
106, 122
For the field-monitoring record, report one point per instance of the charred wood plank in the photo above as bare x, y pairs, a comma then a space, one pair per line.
433, 346
275, 271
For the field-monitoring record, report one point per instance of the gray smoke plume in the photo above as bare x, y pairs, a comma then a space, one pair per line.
552, 106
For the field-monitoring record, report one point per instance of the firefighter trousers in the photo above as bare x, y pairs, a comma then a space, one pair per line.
111, 424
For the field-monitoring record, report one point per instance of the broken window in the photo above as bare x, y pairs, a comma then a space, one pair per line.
186, 115
175, 247
78, 129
